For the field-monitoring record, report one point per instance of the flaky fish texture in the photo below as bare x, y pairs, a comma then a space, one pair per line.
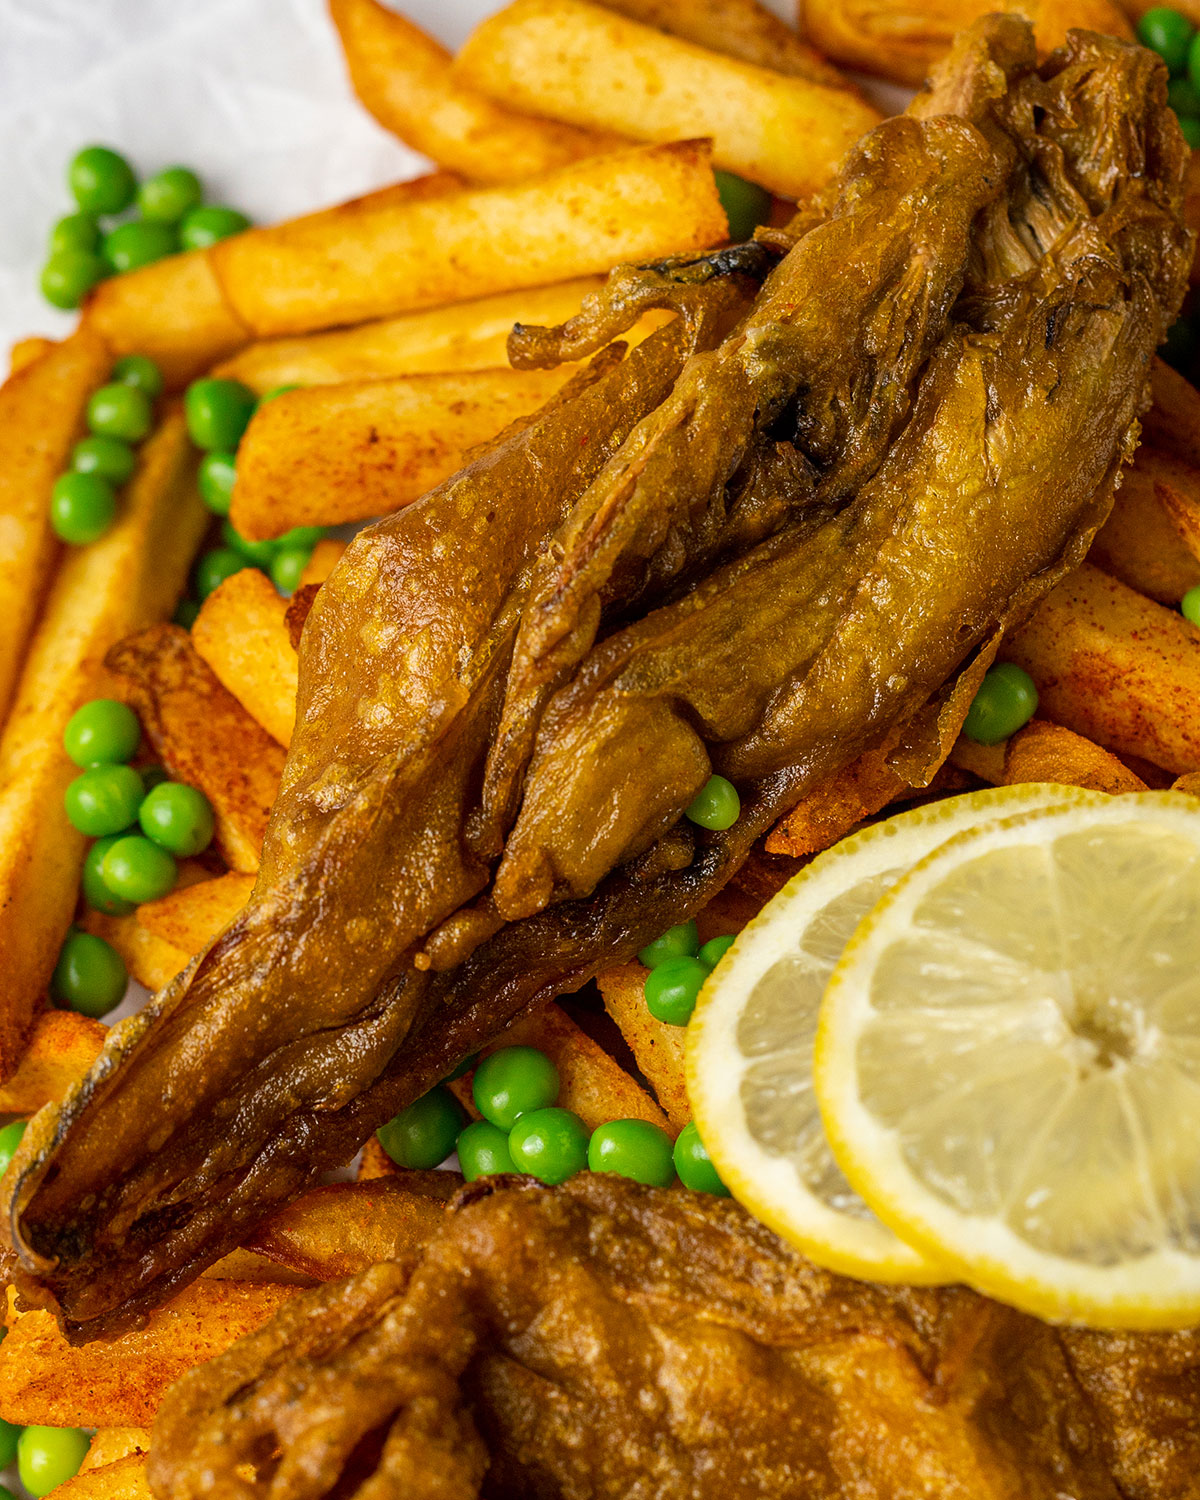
601, 1341
788, 528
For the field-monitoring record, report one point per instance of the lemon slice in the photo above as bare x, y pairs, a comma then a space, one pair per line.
750, 1039
1008, 1060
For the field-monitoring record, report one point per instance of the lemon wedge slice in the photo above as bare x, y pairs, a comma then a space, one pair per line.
1008, 1060
750, 1038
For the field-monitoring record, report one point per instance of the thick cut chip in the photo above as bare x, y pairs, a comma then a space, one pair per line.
61, 1048
241, 632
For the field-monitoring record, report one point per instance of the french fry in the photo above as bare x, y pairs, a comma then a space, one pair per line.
345, 1227
984, 761
203, 736
122, 582
578, 62
1173, 421
112, 1443
1151, 540
189, 917
1048, 752
375, 1163
1116, 668
246, 1265
901, 40
321, 272
402, 77
41, 415
325, 557
45, 1380
739, 28
62, 1047
176, 311
836, 806
657, 1047
123, 1479
462, 336
26, 350
149, 959
346, 452
241, 634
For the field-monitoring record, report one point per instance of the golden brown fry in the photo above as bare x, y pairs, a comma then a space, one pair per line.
1173, 422
203, 736
189, 917
375, 1162
984, 761
835, 807
122, 1479
62, 1047
579, 62
325, 557
346, 452
240, 632
462, 336
739, 28
26, 350
45, 1380
41, 415
902, 39
120, 583
1048, 752
246, 1265
402, 77
322, 271
1116, 668
149, 959
1151, 540
657, 1047
112, 1443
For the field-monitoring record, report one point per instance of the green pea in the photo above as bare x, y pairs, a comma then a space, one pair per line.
95, 893
74, 232
305, 537
138, 870
101, 181
10, 1138
716, 805
715, 950
169, 194
483, 1151
214, 567
1190, 126
682, 941
278, 390
695, 1166
632, 1148
746, 205
1169, 34
185, 613
463, 1068
90, 976
218, 412
218, 470
9, 1436
259, 554
512, 1082
287, 566
102, 732
104, 800
1190, 605
121, 411
202, 227
1006, 700
49, 1456
69, 275
549, 1144
5, 1492
1183, 96
177, 817
139, 371
82, 508
671, 990
424, 1134
109, 457
139, 243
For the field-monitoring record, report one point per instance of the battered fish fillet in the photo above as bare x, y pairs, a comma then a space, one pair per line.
605, 1341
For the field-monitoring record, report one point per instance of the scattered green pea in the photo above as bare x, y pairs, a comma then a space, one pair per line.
109, 457
287, 567
121, 411
10, 1138
204, 226
258, 554
103, 800
483, 1150
512, 1082
1183, 96
218, 470
89, 976
137, 869
682, 941
9, 1436
101, 181
69, 275
695, 1166
214, 567
1169, 34
1190, 605
715, 950
169, 194
139, 243
305, 537
278, 390
82, 507
49, 1456
463, 1068
1190, 126
177, 817
424, 1134
218, 413
74, 232
549, 1144
95, 893
139, 371
102, 731
185, 613
1007, 699
632, 1148
672, 988
746, 205
716, 805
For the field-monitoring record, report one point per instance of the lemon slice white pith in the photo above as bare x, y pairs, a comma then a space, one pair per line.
750, 1040
1008, 1060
